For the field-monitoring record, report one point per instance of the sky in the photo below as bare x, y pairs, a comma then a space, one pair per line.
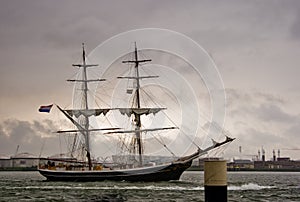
255, 45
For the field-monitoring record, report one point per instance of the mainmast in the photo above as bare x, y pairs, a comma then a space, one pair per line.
138, 123
138, 110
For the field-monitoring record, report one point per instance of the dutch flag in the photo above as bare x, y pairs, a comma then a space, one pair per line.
45, 108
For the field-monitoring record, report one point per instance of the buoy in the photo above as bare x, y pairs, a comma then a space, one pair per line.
215, 181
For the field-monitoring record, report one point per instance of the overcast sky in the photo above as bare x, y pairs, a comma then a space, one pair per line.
255, 44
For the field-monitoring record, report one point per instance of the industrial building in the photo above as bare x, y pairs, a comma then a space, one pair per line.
20, 161
259, 163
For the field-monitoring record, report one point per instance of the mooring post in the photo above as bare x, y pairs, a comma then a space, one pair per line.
215, 181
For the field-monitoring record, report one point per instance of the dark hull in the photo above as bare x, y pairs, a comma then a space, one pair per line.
167, 172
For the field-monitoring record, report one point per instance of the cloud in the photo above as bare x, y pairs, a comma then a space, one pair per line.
253, 44
259, 119
271, 112
29, 135
258, 107
295, 28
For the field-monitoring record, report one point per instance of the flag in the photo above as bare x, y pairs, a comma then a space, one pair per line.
45, 108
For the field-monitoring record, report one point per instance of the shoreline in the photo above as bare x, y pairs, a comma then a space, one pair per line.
18, 169
252, 169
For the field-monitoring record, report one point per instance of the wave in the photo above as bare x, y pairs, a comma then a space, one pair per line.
249, 186
150, 187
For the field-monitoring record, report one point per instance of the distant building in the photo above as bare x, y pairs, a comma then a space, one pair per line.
283, 159
5, 162
20, 161
282, 163
238, 164
24, 160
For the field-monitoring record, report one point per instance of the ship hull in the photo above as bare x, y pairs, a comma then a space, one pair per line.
166, 172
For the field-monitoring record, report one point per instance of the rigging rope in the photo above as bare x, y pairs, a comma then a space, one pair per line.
165, 146
192, 141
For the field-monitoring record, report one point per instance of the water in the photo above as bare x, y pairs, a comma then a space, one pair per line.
242, 186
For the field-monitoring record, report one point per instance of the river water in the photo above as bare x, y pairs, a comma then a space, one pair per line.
242, 186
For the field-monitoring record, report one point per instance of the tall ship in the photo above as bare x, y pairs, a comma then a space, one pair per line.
131, 167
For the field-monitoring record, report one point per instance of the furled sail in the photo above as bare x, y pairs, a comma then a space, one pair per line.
90, 130
85, 112
139, 111
142, 130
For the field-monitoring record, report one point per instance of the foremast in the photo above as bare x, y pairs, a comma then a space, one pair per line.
86, 122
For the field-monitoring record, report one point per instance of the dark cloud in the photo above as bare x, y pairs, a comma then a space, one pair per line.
264, 106
30, 136
295, 28
259, 119
258, 106
271, 112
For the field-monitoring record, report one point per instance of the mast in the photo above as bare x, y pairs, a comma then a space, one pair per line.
84, 80
86, 118
138, 123
138, 110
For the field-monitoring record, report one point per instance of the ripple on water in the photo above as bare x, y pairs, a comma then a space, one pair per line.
242, 187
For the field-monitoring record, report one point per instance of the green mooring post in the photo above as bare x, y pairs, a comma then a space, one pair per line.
215, 181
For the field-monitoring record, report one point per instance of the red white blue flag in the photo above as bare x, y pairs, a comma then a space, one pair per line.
45, 108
